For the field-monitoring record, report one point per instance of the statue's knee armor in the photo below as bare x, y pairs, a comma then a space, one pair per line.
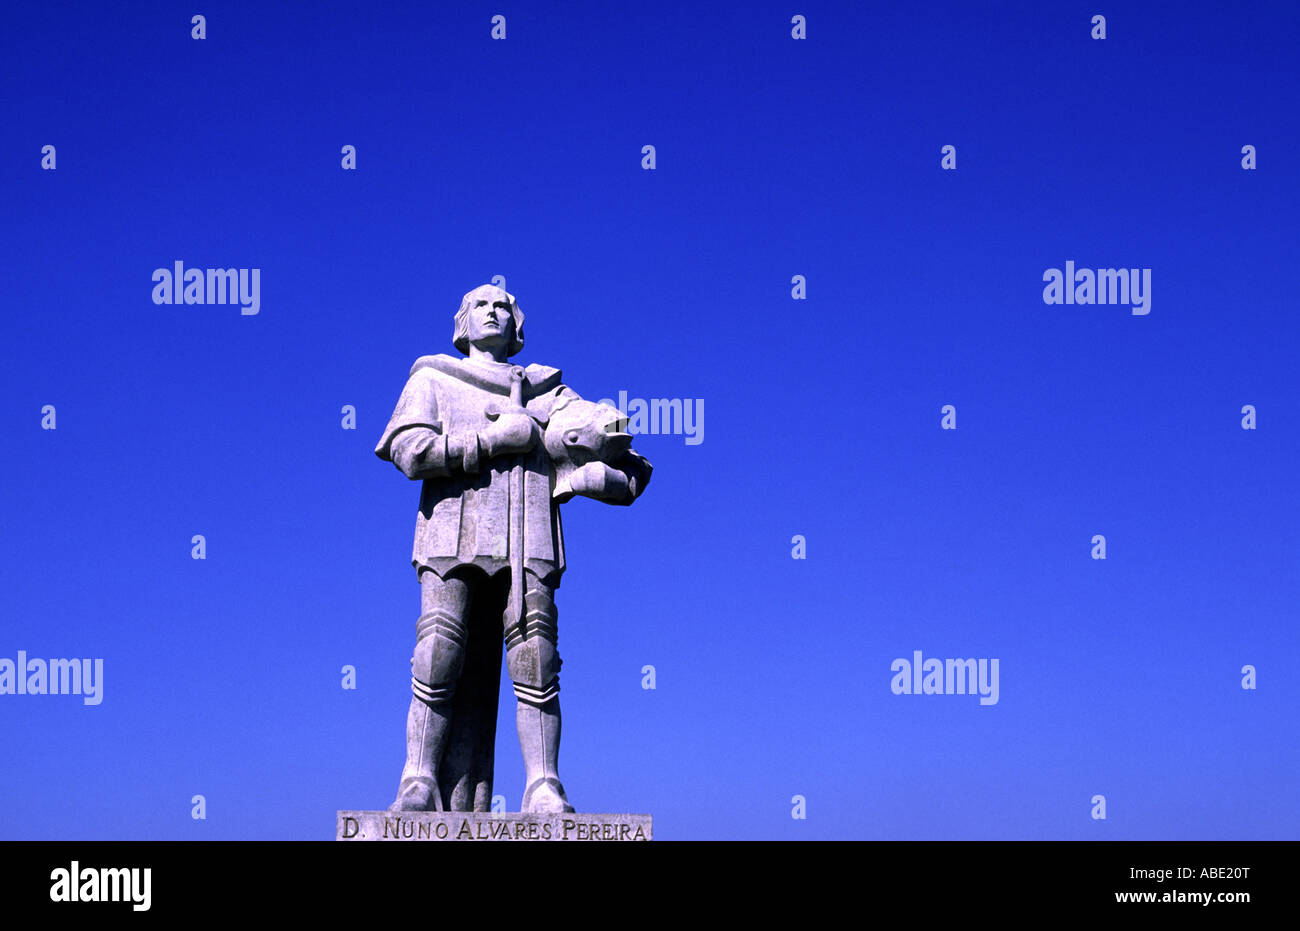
531, 656
439, 656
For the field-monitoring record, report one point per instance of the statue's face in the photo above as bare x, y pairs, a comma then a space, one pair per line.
490, 321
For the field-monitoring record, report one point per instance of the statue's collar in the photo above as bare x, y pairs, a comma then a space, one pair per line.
491, 376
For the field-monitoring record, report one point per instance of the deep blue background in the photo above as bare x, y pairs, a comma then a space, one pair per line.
775, 157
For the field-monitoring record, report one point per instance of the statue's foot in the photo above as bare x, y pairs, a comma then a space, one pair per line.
417, 793
546, 796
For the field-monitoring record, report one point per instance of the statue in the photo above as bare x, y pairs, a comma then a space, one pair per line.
498, 448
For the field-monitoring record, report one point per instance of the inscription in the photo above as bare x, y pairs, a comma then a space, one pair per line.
595, 830
483, 826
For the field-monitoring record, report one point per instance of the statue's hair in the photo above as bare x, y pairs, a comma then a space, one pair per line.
460, 337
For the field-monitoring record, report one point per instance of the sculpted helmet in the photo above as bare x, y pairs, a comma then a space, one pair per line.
579, 432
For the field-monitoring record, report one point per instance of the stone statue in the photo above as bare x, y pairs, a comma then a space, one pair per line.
499, 448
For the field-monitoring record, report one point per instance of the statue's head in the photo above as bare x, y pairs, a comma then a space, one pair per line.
489, 316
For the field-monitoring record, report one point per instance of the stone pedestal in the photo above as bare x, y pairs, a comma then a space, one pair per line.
490, 826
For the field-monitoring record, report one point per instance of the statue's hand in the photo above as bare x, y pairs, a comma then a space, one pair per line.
597, 480
510, 433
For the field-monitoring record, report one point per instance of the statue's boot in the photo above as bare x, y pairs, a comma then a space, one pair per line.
427, 726
539, 738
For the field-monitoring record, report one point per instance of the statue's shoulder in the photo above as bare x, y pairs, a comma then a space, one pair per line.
440, 362
493, 379
539, 375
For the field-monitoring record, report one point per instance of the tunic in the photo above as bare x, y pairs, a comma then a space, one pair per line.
464, 515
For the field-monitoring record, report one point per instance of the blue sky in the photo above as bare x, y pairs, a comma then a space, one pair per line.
775, 158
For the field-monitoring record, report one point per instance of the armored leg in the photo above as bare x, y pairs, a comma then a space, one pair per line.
435, 669
534, 666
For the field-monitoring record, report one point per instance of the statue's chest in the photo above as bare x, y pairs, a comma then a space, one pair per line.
464, 407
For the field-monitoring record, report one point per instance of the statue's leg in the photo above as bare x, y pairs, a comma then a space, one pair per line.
534, 666
465, 775
435, 669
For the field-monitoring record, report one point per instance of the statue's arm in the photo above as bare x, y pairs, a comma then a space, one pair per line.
425, 452
418, 445
414, 440
620, 481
